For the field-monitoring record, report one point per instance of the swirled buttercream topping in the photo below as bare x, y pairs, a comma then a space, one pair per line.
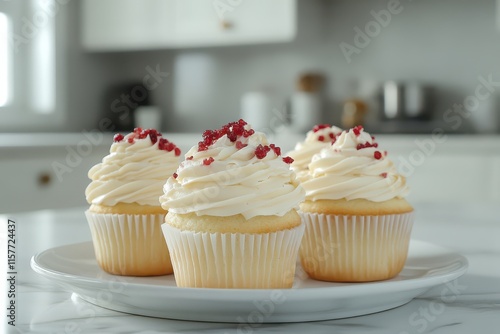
354, 168
320, 137
233, 170
134, 171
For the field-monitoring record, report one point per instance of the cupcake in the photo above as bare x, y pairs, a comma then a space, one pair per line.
321, 136
358, 223
232, 219
125, 213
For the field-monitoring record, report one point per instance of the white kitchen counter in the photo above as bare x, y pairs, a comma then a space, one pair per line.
472, 229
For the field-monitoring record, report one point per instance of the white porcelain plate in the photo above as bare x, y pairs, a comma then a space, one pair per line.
75, 268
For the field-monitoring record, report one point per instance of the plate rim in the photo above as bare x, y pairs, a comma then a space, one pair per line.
328, 302
417, 283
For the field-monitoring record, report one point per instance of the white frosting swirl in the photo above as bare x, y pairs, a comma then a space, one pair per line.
304, 151
342, 171
131, 173
236, 182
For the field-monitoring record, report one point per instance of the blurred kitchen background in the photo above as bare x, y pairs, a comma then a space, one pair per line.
405, 69
65, 75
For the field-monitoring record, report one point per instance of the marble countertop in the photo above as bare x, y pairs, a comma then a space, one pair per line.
470, 229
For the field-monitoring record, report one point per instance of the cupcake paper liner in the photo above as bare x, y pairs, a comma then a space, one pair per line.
355, 248
131, 245
233, 260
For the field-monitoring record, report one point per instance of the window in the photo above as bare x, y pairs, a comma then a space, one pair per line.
29, 77
4, 60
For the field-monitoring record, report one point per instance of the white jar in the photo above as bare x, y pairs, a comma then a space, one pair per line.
148, 117
256, 109
305, 111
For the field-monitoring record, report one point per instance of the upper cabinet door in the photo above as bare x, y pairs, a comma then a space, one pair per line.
158, 24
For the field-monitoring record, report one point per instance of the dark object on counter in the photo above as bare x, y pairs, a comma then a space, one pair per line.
120, 103
405, 101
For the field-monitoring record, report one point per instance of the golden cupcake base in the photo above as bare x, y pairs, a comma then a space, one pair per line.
130, 245
234, 260
350, 248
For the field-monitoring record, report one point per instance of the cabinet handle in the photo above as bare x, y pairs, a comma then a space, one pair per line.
226, 25
44, 179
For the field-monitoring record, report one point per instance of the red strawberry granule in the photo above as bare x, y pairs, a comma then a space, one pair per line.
261, 151
287, 160
377, 155
276, 149
153, 136
318, 127
240, 145
202, 147
169, 147
162, 143
357, 130
366, 145
165, 145
232, 130
118, 138
248, 133
208, 161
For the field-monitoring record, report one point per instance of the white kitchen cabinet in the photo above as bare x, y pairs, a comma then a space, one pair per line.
128, 25
41, 178
49, 171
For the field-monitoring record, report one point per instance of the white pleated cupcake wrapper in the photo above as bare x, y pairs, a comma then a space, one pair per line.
357, 248
130, 244
233, 260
